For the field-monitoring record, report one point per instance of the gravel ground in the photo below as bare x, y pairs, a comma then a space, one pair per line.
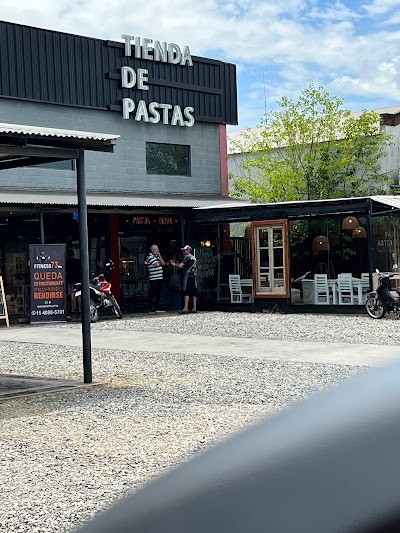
354, 329
64, 457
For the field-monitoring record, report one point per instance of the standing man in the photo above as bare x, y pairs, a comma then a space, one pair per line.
155, 265
189, 285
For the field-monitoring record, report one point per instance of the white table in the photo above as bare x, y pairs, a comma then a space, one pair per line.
360, 284
308, 290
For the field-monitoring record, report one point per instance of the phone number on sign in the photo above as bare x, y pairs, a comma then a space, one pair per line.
49, 312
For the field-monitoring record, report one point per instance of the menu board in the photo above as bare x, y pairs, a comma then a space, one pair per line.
206, 271
206, 262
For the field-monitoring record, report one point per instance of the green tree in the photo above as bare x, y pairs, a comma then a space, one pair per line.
311, 149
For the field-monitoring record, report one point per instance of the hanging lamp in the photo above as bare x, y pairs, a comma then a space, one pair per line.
321, 244
350, 223
359, 233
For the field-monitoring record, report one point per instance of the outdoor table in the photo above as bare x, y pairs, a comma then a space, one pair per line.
308, 289
358, 283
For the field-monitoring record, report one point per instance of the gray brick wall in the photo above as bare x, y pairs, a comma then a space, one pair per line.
125, 169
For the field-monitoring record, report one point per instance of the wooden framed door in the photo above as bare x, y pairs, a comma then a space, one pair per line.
270, 259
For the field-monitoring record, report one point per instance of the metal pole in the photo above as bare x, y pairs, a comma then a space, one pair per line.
369, 243
182, 229
84, 257
41, 222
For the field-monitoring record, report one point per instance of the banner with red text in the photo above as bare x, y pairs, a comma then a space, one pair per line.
47, 276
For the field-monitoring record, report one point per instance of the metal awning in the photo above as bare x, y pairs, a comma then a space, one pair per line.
305, 209
39, 131
390, 201
69, 198
23, 145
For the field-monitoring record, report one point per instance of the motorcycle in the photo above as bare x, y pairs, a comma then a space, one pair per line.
382, 301
100, 294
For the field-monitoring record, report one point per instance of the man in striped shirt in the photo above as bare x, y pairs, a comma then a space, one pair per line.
155, 265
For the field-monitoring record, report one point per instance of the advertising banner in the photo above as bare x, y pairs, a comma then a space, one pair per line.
47, 275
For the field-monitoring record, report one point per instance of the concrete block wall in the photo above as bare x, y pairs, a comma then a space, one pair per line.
125, 169
390, 164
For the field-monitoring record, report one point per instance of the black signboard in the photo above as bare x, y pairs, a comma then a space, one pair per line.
47, 274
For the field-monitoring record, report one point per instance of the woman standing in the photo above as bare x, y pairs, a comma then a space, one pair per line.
189, 285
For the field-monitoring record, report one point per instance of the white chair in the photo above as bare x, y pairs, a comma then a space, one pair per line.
365, 285
345, 289
237, 295
321, 289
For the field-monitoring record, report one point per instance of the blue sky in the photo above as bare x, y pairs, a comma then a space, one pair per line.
351, 48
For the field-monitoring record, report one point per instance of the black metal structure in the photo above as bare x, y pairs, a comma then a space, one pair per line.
286, 210
59, 68
30, 149
311, 209
84, 254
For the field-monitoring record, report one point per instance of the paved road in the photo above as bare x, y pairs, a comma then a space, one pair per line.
317, 352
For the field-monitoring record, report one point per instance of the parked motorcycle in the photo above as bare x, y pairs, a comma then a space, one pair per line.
382, 301
100, 294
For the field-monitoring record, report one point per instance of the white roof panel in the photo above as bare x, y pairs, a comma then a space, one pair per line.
393, 201
40, 131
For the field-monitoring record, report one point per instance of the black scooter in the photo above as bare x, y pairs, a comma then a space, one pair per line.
382, 301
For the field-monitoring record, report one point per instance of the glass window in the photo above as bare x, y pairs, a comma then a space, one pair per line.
168, 159
385, 240
271, 268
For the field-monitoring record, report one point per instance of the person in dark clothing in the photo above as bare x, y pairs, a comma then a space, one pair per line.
189, 285
73, 276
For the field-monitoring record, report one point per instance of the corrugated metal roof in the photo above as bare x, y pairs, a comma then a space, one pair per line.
40, 131
393, 201
123, 199
116, 199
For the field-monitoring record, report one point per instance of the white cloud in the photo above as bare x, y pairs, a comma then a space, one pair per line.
335, 12
384, 82
341, 45
380, 7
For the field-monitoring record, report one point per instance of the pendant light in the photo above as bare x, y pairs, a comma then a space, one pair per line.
359, 233
321, 244
350, 223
